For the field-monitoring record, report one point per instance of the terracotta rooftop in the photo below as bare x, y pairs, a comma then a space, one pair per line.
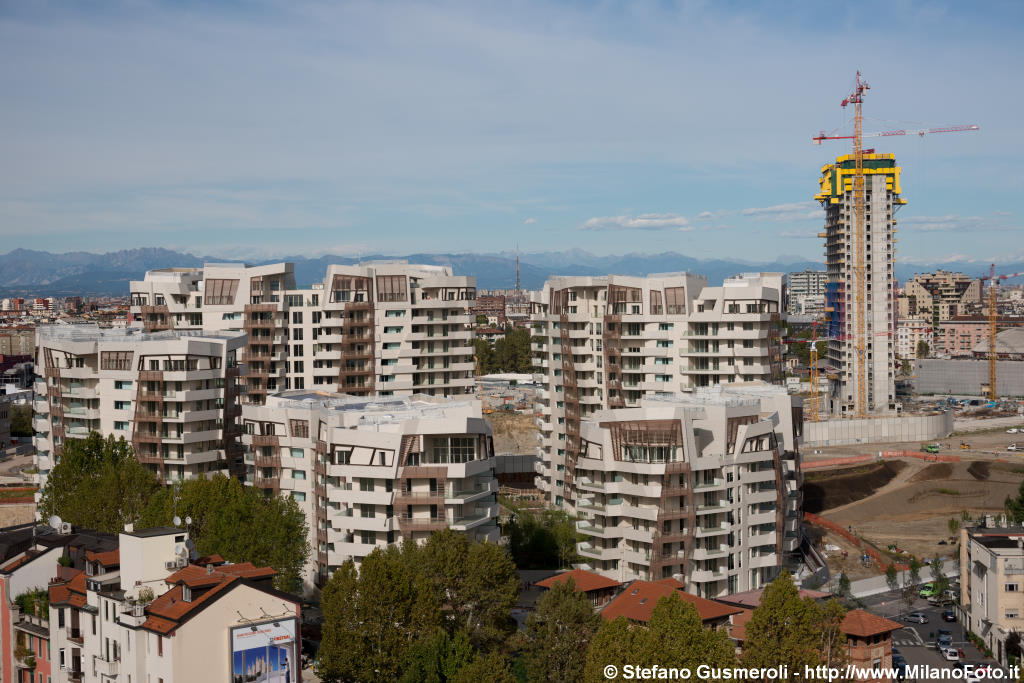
106, 559
753, 598
640, 597
585, 581
195, 576
863, 624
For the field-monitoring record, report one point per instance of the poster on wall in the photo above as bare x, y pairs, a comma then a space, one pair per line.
264, 653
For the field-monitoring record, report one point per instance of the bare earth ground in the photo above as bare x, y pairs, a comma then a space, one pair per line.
912, 510
514, 432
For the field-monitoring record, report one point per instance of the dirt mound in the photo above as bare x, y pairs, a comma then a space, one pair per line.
979, 470
940, 470
826, 490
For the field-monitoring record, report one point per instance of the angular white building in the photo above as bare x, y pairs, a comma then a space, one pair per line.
703, 487
383, 328
370, 472
171, 394
606, 342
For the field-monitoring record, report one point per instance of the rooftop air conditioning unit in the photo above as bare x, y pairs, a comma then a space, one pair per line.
65, 528
181, 562
171, 564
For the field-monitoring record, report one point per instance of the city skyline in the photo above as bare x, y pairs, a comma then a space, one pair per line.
307, 129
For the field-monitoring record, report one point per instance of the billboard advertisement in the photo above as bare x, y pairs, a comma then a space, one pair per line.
265, 652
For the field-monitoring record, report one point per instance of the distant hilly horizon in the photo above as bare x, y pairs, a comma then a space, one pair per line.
26, 272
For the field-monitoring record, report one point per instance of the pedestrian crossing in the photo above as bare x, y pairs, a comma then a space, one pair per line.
904, 643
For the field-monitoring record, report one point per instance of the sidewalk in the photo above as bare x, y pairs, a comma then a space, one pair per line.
876, 584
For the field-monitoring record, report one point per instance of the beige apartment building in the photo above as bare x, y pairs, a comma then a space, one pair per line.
703, 487
940, 296
606, 342
172, 394
992, 584
370, 472
379, 328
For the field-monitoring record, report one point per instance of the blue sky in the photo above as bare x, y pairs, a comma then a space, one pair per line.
288, 128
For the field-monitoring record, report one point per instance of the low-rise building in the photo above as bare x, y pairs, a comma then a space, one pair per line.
599, 589
638, 600
910, 332
369, 472
701, 487
991, 590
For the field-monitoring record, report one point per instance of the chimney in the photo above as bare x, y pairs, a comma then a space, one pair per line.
129, 528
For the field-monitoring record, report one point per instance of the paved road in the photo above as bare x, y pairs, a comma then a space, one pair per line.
916, 642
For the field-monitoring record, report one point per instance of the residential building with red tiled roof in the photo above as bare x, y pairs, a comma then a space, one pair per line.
600, 589
639, 599
146, 609
869, 643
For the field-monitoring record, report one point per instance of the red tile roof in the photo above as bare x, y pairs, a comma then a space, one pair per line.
585, 581
863, 624
738, 631
753, 598
639, 599
107, 559
196, 576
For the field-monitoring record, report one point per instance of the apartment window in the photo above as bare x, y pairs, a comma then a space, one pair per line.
391, 346
367, 537
298, 453
160, 648
297, 315
1012, 587
62, 657
298, 366
393, 329
122, 384
748, 343
366, 510
299, 474
665, 326
122, 405
365, 484
299, 496
121, 426
664, 343
297, 351
297, 333
395, 314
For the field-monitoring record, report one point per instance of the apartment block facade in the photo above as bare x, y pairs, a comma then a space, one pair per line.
870, 361
804, 285
992, 585
371, 472
940, 296
172, 394
606, 342
912, 331
702, 487
384, 328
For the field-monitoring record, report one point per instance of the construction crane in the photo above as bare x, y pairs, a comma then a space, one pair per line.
856, 98
993, 319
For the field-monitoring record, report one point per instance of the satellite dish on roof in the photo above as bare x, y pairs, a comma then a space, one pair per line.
176, 520
188, 520
180, 550
55, 521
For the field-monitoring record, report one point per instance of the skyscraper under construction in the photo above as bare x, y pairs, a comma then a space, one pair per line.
860, 292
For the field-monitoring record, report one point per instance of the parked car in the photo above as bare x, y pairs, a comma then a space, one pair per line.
1014, 447
950, 654
930, 448
949, 615
916, 618
944, 642
1012, 430
927, 591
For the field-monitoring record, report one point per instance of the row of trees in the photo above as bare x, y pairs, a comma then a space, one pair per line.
440, 611
510, 353
543, 539
98, 484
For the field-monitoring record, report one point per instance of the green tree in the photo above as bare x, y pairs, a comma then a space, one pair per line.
343, 638
98, 484
438, 658
481, 319
892, 577
954, 526
674, 637
491, 667
558, 633
914, 567
21, 419
843, 585
940, 582
542, 540
484, 355
239, 523
1015, 506
922, 349
785, 629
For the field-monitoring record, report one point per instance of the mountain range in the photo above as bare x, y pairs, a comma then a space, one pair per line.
25, 272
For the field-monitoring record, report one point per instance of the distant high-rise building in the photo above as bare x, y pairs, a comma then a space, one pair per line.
873, 359
606, 342
940, 296
804, 284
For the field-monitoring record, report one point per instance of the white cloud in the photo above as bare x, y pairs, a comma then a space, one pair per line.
779, 209
644, 221
800, 234
529, 221
705, 216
